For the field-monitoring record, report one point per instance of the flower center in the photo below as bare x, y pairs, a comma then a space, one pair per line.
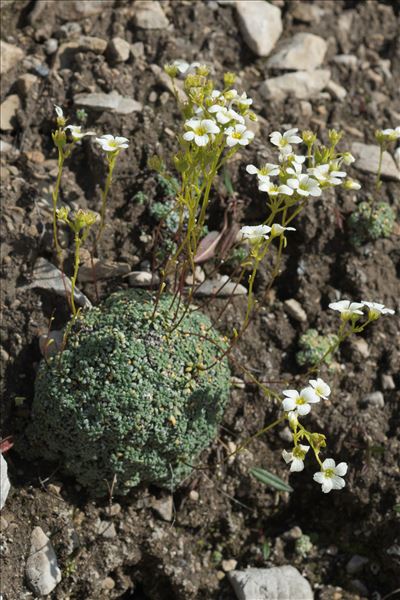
299, 453
237, 136
329, 473
300, 400
200, 131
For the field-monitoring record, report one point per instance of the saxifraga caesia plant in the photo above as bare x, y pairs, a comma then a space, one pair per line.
215, 127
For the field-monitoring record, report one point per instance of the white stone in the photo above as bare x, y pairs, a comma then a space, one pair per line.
42, 571
295, 310
220, 286
301, 84
143, 279
349, 60
149, 15
164, 507
100, 270
387, 382
305, 12
367, 159
229, 565
304, 51
106, 529
336, 90
10, 55
119, 49
8, 111
4, 481
277, 583
112, 102
374, 399
260, 24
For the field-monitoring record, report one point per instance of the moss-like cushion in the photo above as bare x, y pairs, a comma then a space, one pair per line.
125, 400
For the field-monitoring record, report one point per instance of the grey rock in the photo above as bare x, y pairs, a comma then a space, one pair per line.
304, 51
143, 279
137, 50
26, 83
4, 481
356, 563
67, 50
229, 565
374, 399
106, 529
112, 102
164, 507
51, 343
102, 270
361, 346
301, 84
295, 310
42, 571
149, 15
46, 276
306, 13
348, 60
6, 147
220, 286
80, 9
10, 55
118, 50
277, 583
51, 46
336, 90
367, 160
387, 382
260, 24
295, 533
286, 435
8, 112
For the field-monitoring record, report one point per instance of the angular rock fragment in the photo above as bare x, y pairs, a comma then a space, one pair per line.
260, 24
42, 571
367, 160
301, 85
304, 51
10, 55
220, 286
277, 583
112, 102
4, 481
46, 276
149, 15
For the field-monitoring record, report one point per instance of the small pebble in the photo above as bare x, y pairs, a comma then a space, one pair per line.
194, 495
375, 399
229, 565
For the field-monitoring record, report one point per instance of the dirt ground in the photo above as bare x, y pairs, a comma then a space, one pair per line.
221, 513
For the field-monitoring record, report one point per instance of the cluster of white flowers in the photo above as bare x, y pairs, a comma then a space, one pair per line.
218, 115
109, 143
292, 179
388, 135
353, 310
299, 404
255, 233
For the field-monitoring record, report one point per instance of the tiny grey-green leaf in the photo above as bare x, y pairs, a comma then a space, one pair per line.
270, 479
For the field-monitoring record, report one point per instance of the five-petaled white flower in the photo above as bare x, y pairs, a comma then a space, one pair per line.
327, 174
77, 133
348, 158
109, 143
284, 141
375, 310
300, 402
224, 114
201, 131
263, 174
184, 67
274, 189
347, 308
296, 457
305, 186
331, 476
277, 229
243, 101
321, 388
256, 232
238, 134
296, 164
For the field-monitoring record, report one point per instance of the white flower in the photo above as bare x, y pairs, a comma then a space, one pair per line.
296, 164
327, 174
376, 310
201, 130
238, 134
283, 141
243, 101
321, 388
109, 143
348, 158
305, 185
277, 229
59, 111
350, 184
296, 457
263, 174
301, 402
389, 135
184, 67
224, 114
77, 133
331, 476
347, 308
255, 232
274, 189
